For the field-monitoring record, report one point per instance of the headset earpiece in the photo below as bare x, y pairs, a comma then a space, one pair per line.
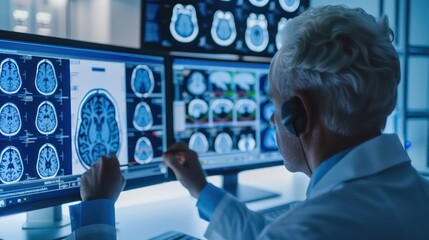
293, 116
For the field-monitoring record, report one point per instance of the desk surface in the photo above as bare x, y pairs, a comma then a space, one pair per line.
147, 212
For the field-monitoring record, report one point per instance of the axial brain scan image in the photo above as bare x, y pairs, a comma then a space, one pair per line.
256, 35
142, 119
144, 151
184, 23
199, 143
223, 143
246, 143
10, 120
196, 83
289, 5
10, 78
223, 29
46, 118
11, 165
46, 80
98, 131
48, 162
142, 81
259, 3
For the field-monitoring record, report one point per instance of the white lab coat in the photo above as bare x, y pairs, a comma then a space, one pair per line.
372, 193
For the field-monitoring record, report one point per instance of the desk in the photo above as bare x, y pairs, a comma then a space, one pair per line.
150, 211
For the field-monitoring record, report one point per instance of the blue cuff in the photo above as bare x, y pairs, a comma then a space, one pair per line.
209, 198
100, 211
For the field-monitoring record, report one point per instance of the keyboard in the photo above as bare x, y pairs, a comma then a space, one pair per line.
173, 235
276, 211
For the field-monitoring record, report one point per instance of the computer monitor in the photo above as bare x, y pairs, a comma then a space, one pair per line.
222, 111
63, 104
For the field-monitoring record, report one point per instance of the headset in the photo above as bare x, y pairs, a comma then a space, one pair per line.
294, 118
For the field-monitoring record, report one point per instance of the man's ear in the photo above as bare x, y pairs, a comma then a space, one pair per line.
306, 119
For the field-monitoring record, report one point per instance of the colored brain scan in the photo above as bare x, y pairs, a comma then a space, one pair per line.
267, 111
245, 109
221, 109
223, 143
259, 3
48, 162
10, 120
197, 108
10, 78
46, 118
11, 165
196, 83
184, 23
142, 119
46, 80
280, 26
144, 151
223, 29
246, 143
98, 130
289, 5
221, 80
199, 143
245, 81
256, 35
269, 138
142, 81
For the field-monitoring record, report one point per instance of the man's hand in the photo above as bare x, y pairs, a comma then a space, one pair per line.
103, 180
186, 166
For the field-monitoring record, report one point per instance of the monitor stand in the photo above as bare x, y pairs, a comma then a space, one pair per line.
47, 223
245, 193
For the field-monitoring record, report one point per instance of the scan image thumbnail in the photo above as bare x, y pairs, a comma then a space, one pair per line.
10, 78
289, 5
245, 109
143, 152
199, 143
184, 23
244, 81
196, 83
259, 3
48, 162
223, 143
223, 29
221, 110
11, 165
256, 35
142, 119
10, 120
269, 139
46, 118
221, 81
198, 109
280, 26
46, 79
247, 142
98, 131
142, 81
268, 110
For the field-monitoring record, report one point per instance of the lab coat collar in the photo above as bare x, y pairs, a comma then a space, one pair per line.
368, 158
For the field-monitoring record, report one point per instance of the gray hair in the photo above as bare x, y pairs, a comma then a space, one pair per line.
346, 59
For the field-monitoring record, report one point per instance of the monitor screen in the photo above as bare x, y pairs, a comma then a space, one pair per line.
233, 27
222, 111
61, 108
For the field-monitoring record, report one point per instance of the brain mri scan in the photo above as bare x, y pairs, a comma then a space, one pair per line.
221, 109
267, 111
46, 118
197, 108
245, 81
46, 80
259, 3
221, 80
184, 23
245, 108
269, 138
143, 152
142, 119
199, 143
196, 83
142, 81
98, 130
256, 35
11, 165
10, 120
223, 29
10, 78
280, 26
48, 162
246, 143
223, 143
289, 5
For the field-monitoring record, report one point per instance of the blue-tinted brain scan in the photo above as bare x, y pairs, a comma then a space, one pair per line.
46, 80
268, 110
142, 81
199, 143
256, 35
269, 139
48, 162
197, 108
245, 108
196, 83
144, 151
223, 29
142, 119
10, 78
10, 120
221, 80
98, 131
289, 5
280, 26
259, 3
11, 165
223, 143
184, 23
46, 118
246, 143
221, 109
245, 81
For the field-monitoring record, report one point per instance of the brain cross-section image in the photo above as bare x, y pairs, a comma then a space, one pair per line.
46, 118
10, 120
184, 23
196, 83
142, 81
46, 80
256, 35
11, 165
289, 5
98, 130
246, 143
223, 28
143, 119
223, 143
199, 143
144, 151
48, 163
10, 78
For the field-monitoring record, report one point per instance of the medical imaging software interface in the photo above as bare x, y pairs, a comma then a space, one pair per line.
222, 111
63, 108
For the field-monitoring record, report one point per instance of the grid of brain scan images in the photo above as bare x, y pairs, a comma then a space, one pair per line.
34, 117
246, 27
224, 110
